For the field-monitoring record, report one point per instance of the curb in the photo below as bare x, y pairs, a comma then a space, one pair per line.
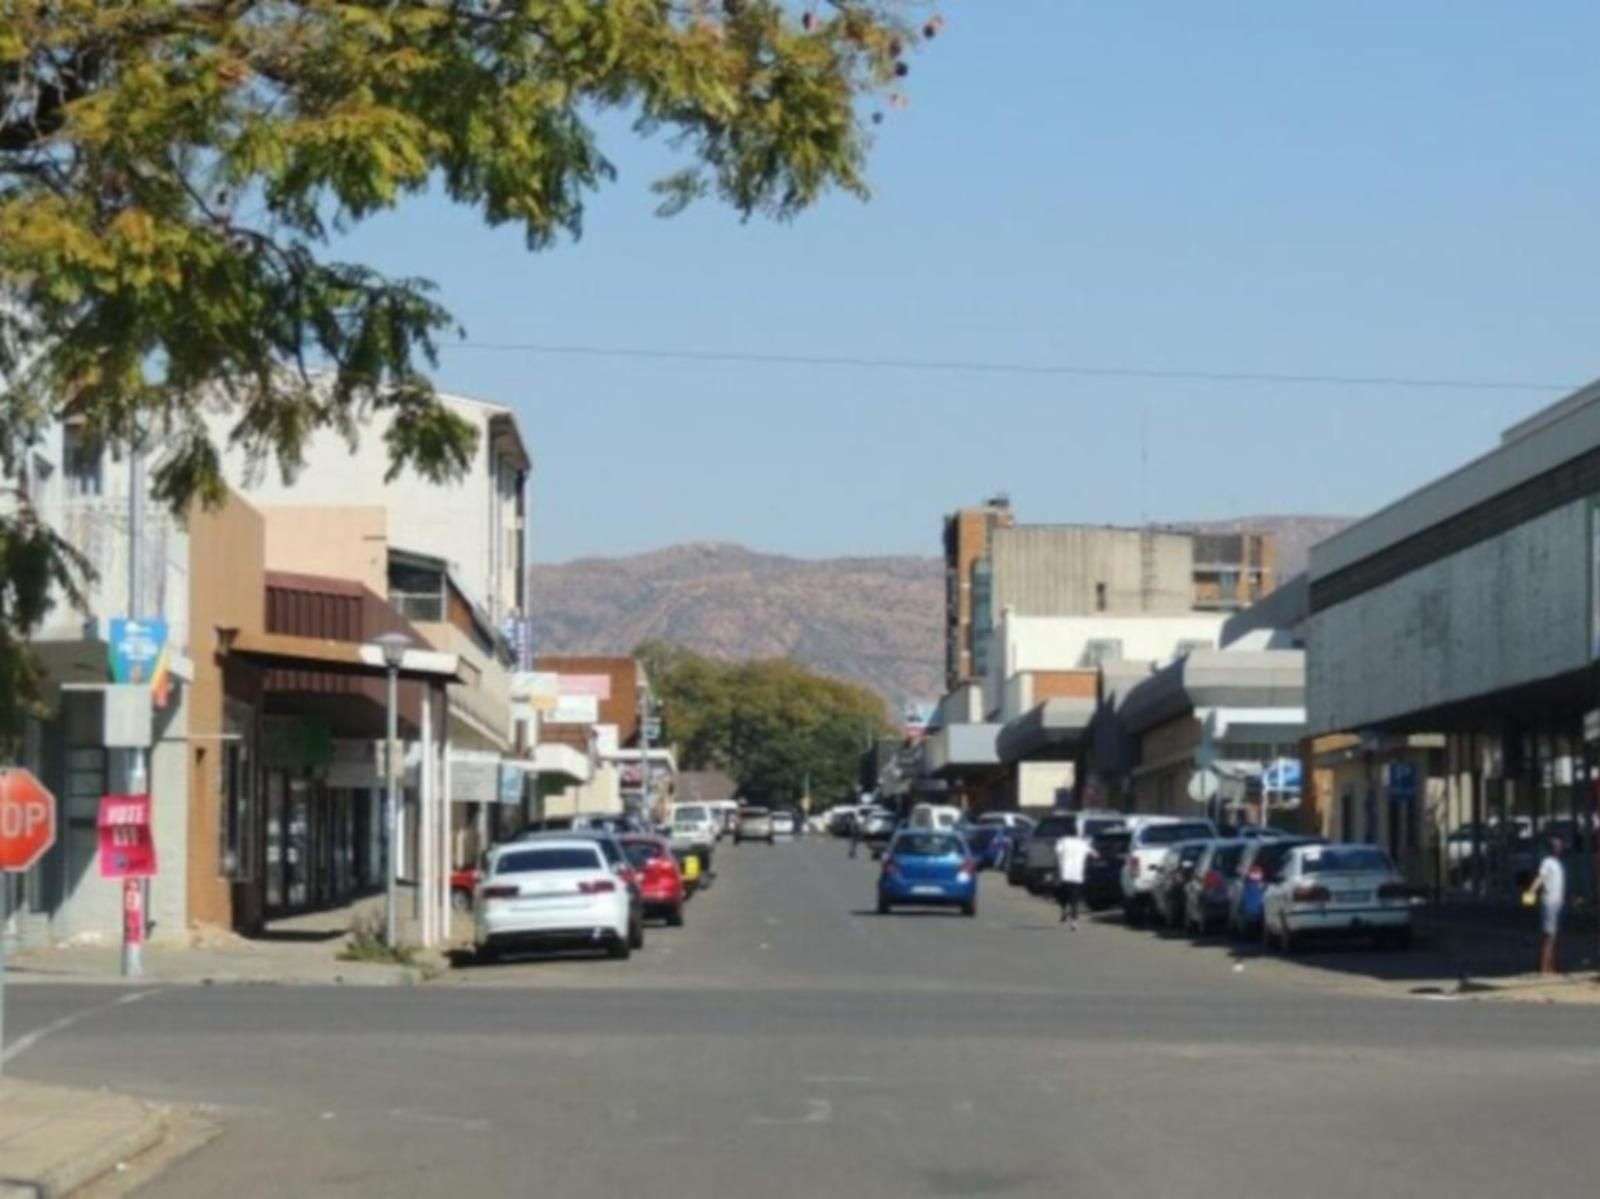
26, 978
102, 1162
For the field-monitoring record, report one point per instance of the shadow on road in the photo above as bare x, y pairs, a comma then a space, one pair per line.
911, 913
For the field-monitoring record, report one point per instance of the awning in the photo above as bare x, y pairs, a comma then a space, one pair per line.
1053, 728
956, 749
336, 657
559, 761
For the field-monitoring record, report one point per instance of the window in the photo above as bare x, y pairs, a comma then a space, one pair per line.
236, 793
926, 845
1171, 834
537, 861
416, 591
82, 463
1099, 597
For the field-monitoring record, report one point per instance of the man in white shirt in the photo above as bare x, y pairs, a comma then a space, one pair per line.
1072, 856
1551, 888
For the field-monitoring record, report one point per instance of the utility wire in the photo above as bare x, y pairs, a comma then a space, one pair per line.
955, 366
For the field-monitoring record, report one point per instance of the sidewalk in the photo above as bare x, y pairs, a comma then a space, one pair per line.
54, 1141
301, 950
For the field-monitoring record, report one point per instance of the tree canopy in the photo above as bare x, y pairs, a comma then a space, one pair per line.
773, 725
175, 176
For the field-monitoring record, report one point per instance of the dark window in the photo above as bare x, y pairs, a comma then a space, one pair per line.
1099, 597
1171, 834
926, 845
82, 462
535, 861
641, 852
1344, 859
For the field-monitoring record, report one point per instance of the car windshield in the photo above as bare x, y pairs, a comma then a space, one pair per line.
926, 845
1171, 834
753, 814
1053, 828
1093, 826
555, 857
1225, 860
1346, 859
689, 816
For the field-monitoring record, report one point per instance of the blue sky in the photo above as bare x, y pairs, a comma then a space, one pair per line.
1366, 188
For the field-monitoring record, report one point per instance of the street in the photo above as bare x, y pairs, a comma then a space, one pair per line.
788, 1042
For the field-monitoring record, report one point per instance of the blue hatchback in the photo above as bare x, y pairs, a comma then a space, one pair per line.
923, 866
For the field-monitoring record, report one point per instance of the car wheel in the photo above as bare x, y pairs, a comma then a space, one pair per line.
636, 934
461, 901
620, 948
970, 908
883, 907
1131, 914
675, 916
486, 954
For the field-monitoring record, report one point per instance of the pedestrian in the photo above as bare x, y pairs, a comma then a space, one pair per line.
1072, 855
1549, 890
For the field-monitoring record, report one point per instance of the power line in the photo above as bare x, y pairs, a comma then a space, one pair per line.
957, 366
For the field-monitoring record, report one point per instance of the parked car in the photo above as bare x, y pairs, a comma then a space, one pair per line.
878, 825
1173, 872
463, 884
784, 824
842, 820
926, 866
1325, 890
660, 879
1151, 837
1039, 865
617, 826
755, 824
989, 844
1102, 874
1205, 903
1258, 869
553, 889
1015, 821
943, 817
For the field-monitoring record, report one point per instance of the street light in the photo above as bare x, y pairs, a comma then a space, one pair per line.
394, 646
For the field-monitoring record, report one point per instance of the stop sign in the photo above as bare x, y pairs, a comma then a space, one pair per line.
27, 820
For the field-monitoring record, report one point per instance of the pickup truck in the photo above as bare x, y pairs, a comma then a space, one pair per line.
1150, 838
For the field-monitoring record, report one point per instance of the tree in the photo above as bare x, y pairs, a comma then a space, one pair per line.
775, 726
173, 174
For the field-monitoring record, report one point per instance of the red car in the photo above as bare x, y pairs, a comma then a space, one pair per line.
657, 875
463, 883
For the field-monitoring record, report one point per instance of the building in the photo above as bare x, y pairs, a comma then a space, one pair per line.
1233, 570
967, 535
1453, 648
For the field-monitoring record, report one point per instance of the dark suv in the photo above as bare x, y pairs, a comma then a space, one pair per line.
1102, 877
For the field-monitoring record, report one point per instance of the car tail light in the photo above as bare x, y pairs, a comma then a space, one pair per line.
1212, 881
597, 887
1311, 894
1394, 891
966, 870
502, 892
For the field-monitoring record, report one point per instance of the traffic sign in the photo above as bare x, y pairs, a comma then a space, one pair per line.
1204, 785
27, 820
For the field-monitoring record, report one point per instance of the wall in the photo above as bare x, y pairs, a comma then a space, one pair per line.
621, 706
228, 590
1510, 610
1037, 643
1038, 782
1027, 689
1056, 570
454, 522
338, 542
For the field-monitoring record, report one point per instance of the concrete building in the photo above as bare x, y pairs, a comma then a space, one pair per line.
1233, 570
1453, 639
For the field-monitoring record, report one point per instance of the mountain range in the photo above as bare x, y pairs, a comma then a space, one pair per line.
878, 621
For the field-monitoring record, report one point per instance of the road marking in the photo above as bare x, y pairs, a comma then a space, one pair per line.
22, 1044
818, 1111
829, 1080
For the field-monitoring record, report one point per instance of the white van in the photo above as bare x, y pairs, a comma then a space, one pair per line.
943, 818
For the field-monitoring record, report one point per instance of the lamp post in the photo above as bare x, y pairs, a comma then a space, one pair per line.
394, 646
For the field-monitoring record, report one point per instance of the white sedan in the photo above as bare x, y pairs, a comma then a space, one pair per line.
554, 891
1329, 889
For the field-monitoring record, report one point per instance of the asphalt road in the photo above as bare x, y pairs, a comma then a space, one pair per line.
789, 1042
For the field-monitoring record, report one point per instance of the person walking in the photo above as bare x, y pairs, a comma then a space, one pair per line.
1072, 856
1550, 890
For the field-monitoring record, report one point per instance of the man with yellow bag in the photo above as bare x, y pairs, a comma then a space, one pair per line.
1549, 892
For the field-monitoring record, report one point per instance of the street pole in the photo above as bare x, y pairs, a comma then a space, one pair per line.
391, 813
132, 946
644, 751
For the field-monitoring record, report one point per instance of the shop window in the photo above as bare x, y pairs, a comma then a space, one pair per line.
236, 824
82, 463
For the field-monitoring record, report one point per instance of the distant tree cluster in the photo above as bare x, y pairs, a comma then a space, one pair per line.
773, 725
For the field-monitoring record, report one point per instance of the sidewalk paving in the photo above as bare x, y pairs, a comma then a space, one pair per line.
300, 950
54, 1140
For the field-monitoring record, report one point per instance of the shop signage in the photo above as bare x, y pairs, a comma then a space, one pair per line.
27, 820
474, 776
127, 846
138, 650
596, 685
132, 912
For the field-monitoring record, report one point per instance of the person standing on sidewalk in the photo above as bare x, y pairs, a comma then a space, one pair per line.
1550, 888
1072, 855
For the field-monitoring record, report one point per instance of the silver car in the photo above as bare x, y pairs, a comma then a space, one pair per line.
755, 824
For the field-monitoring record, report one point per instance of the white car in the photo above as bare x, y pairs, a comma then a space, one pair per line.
783, 823
696, 826
554, 890
1149, 839
1326, 889
942, 818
